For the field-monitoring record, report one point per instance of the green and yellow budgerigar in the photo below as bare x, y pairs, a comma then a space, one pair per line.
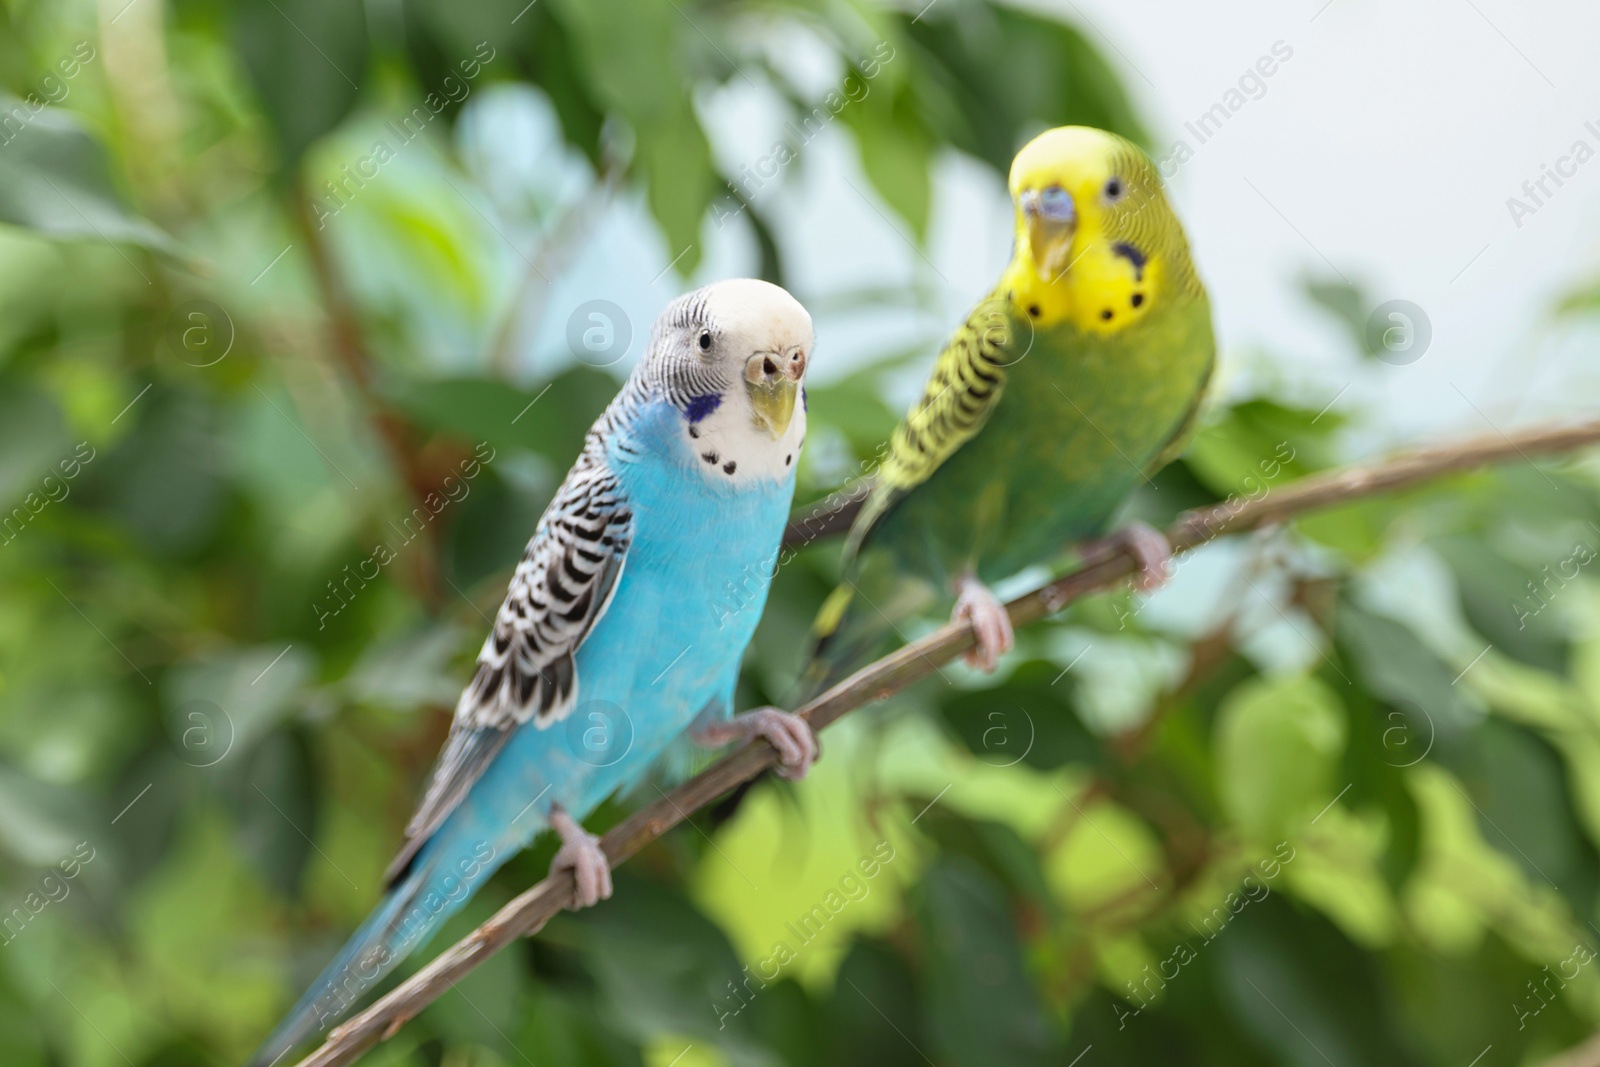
1074, 381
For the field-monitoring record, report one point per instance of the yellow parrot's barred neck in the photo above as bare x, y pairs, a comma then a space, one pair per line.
953, 406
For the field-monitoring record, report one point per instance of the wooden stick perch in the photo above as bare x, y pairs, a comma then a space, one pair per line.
528, 913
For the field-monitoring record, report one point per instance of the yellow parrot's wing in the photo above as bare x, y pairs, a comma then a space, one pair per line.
963, 390
1184, 431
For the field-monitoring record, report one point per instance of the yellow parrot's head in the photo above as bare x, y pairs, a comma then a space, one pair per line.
1096, 240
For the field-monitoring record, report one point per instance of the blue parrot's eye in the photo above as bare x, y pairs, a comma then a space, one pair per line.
705, 340
1055, 203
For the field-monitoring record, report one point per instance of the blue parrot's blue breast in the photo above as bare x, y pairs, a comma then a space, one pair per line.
692, 589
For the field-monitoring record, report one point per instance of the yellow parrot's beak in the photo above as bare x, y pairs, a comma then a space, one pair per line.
772, 380
1052, 222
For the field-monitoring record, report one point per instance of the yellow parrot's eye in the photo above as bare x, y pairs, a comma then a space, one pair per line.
1114, 190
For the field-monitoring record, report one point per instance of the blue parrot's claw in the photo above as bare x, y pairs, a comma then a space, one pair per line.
580, 850
991, 626
789, 734
1151, 552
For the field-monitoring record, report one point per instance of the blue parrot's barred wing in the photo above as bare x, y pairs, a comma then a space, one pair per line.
561, 588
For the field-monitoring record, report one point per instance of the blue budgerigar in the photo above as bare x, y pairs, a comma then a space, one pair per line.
622, 630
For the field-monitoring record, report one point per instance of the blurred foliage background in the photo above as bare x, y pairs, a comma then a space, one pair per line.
274, 273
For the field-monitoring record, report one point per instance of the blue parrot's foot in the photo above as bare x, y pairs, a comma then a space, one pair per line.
1152, 554
990, 623
580, 850
789, 734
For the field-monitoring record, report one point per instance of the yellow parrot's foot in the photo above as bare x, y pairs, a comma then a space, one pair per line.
1151, 552
991, 626
789, 734
580, 850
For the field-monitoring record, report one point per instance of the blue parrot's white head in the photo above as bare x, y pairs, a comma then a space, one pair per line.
732, 357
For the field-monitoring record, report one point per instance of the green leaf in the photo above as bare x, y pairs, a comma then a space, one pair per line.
276, 796
1397, 666
220, 707
163, 481
1255, 446
665, 967
55, 179
981, 1007
409, 671
1306, 992
1347, 302
1458, 1004
550, 421
33, 439
631, 55
1523, 797
1584, 300
995, 847
1030, 718
873, 1015
1278, 743
307, 60
1497, 600
896, 153
39, 823
1386, 739
988, 77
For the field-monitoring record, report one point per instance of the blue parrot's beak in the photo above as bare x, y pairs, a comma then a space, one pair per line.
1052, 221
772, 380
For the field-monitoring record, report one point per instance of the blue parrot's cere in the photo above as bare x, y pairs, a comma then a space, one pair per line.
619, 632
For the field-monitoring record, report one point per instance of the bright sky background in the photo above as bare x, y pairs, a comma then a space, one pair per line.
1391, 142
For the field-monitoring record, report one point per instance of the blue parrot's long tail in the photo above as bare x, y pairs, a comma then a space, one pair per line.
431, 888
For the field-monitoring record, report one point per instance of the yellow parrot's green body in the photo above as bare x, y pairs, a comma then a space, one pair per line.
1076, 380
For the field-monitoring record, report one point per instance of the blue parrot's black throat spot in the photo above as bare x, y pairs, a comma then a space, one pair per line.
701, 406
1134, 256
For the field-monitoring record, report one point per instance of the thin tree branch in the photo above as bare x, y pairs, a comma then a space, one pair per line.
349, 346
528, 913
